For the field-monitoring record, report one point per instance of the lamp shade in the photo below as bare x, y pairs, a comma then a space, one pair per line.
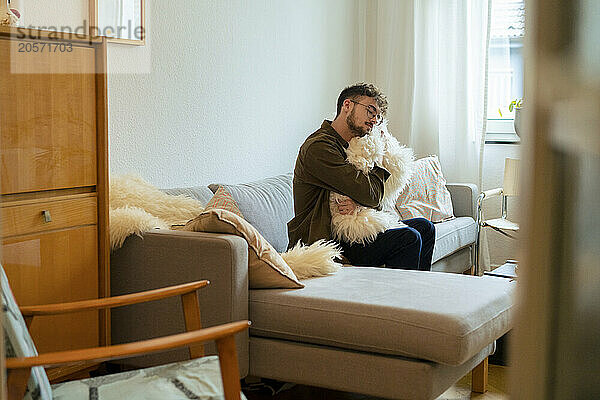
510, 187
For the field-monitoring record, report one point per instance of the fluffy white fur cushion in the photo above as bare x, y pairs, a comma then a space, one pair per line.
136, 206
132, 190
125, 221
318, 259
377, 148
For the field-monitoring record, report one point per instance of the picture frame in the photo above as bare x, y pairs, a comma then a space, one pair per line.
120, 21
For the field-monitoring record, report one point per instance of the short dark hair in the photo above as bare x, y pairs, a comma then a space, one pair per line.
362, 89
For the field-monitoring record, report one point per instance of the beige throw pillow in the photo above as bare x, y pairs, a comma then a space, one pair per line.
266, 268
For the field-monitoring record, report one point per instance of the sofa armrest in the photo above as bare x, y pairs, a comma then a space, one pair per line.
162, 258
464, 199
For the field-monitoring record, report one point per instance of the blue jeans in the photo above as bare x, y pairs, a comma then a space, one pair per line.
400, 248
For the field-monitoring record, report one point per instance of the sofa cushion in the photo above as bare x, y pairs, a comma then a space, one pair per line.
453, 235
222, 200
201, 193
426, 194
266, 268
445, 318
267, 204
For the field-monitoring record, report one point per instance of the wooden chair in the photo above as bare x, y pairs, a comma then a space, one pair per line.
510, 187
27, 378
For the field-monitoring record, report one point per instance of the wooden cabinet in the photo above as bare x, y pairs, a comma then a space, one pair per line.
53, 180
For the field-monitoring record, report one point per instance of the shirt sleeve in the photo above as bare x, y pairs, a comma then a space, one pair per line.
330, 170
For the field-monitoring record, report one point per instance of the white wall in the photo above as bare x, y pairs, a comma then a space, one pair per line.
233, 86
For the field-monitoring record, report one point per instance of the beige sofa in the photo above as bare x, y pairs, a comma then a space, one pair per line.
383, 332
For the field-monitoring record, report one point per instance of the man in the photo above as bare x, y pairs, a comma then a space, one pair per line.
321, 168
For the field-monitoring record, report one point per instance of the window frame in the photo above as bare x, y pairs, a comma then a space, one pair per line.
499, 129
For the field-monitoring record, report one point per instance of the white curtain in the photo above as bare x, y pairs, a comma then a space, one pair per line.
430, 58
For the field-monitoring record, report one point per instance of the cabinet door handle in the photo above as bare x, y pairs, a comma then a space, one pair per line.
47, 216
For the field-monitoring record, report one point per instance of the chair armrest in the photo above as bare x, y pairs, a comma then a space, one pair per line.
464, 199
491, 193
484, 196
100, 354
111, 302
163, 257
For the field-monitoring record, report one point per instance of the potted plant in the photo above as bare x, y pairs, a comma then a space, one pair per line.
516, 105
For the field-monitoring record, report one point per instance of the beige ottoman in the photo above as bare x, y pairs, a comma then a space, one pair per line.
382, 332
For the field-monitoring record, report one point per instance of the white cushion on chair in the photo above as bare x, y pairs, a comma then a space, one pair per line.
502, 223
193, 379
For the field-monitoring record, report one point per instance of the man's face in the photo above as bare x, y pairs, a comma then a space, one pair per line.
360, 121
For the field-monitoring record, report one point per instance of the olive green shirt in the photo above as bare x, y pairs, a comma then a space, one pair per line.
321, 168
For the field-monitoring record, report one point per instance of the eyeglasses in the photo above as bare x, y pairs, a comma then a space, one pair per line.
371, 112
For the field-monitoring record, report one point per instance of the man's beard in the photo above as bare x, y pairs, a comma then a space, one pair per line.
357, 130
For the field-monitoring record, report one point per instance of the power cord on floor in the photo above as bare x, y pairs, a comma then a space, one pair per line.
266, 386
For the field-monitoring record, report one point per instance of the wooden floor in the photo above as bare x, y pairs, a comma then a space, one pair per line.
497, 389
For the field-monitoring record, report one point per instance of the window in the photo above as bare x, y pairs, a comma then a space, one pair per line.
505, 68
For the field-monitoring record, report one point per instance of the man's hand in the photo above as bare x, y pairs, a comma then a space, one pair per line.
346, 206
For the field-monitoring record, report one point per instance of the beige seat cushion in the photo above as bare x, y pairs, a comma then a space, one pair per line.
453, 235
446, 318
